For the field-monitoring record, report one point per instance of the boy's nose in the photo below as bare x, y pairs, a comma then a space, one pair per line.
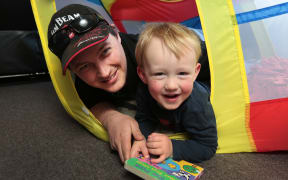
170, 85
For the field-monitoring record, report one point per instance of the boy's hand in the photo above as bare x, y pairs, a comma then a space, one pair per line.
139, 147
161, 145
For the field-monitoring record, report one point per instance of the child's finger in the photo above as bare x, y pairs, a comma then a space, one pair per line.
153, 145
158, 160
154, 138
155, 134
156, 151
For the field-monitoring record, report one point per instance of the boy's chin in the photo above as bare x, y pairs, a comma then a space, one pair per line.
170, 106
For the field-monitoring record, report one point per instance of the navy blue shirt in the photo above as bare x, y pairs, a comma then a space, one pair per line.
195, 116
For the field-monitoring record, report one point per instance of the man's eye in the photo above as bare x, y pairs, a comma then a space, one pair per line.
105, 52
83, 67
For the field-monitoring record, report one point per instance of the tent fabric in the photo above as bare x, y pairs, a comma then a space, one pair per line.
64, 85
249, 83
124, 12
268, 124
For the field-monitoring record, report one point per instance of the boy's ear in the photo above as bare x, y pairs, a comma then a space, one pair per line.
141, 74
197, 70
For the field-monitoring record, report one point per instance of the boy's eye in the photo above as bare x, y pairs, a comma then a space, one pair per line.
158, 74
183, 73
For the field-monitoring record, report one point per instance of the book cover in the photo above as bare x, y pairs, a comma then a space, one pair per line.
167, 170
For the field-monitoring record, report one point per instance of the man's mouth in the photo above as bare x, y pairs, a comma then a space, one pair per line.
111, 77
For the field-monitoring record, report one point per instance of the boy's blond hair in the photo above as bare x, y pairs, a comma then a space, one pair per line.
176, 37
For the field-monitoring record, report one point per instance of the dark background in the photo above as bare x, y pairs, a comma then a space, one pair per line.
20, 47
17, 15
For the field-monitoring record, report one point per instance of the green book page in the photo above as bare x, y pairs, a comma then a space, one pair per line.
167, 170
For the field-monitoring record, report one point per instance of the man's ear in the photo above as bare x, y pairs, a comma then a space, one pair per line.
197, 70
116, 31
113, 25
141, 74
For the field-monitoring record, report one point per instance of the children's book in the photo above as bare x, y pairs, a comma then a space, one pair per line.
167, 170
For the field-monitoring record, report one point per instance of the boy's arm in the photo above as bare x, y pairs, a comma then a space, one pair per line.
146, 125
143, 114
192, 150
202, 131
199, 122
120, 127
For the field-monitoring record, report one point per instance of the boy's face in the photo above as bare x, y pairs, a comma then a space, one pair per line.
102, 66
170, 80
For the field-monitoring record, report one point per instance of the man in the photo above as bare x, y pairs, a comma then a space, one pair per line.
103, 61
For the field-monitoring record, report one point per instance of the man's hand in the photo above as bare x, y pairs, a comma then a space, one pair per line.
160, 145
120, 128
139, 147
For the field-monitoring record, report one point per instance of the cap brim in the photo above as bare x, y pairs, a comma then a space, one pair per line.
81, 43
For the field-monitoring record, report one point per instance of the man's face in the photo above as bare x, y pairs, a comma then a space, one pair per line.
102, 66
169, 79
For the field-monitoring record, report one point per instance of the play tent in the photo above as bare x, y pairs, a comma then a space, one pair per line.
246, 42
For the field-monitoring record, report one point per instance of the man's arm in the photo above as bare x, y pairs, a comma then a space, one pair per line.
120, 127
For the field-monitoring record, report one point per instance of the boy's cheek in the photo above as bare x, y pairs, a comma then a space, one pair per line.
154, 86
187, 87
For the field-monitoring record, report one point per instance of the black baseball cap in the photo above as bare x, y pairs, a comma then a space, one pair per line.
73, 29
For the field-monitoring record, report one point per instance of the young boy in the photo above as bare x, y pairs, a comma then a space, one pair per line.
171, 100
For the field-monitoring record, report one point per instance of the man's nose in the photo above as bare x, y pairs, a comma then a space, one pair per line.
103, 72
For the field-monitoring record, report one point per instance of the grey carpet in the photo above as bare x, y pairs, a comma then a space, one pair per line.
39, 140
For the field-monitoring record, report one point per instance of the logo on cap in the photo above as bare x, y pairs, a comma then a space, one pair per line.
61, 20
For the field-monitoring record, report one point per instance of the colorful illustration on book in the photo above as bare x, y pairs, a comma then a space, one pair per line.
172, 169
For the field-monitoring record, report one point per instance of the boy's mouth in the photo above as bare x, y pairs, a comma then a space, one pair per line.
171, 97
